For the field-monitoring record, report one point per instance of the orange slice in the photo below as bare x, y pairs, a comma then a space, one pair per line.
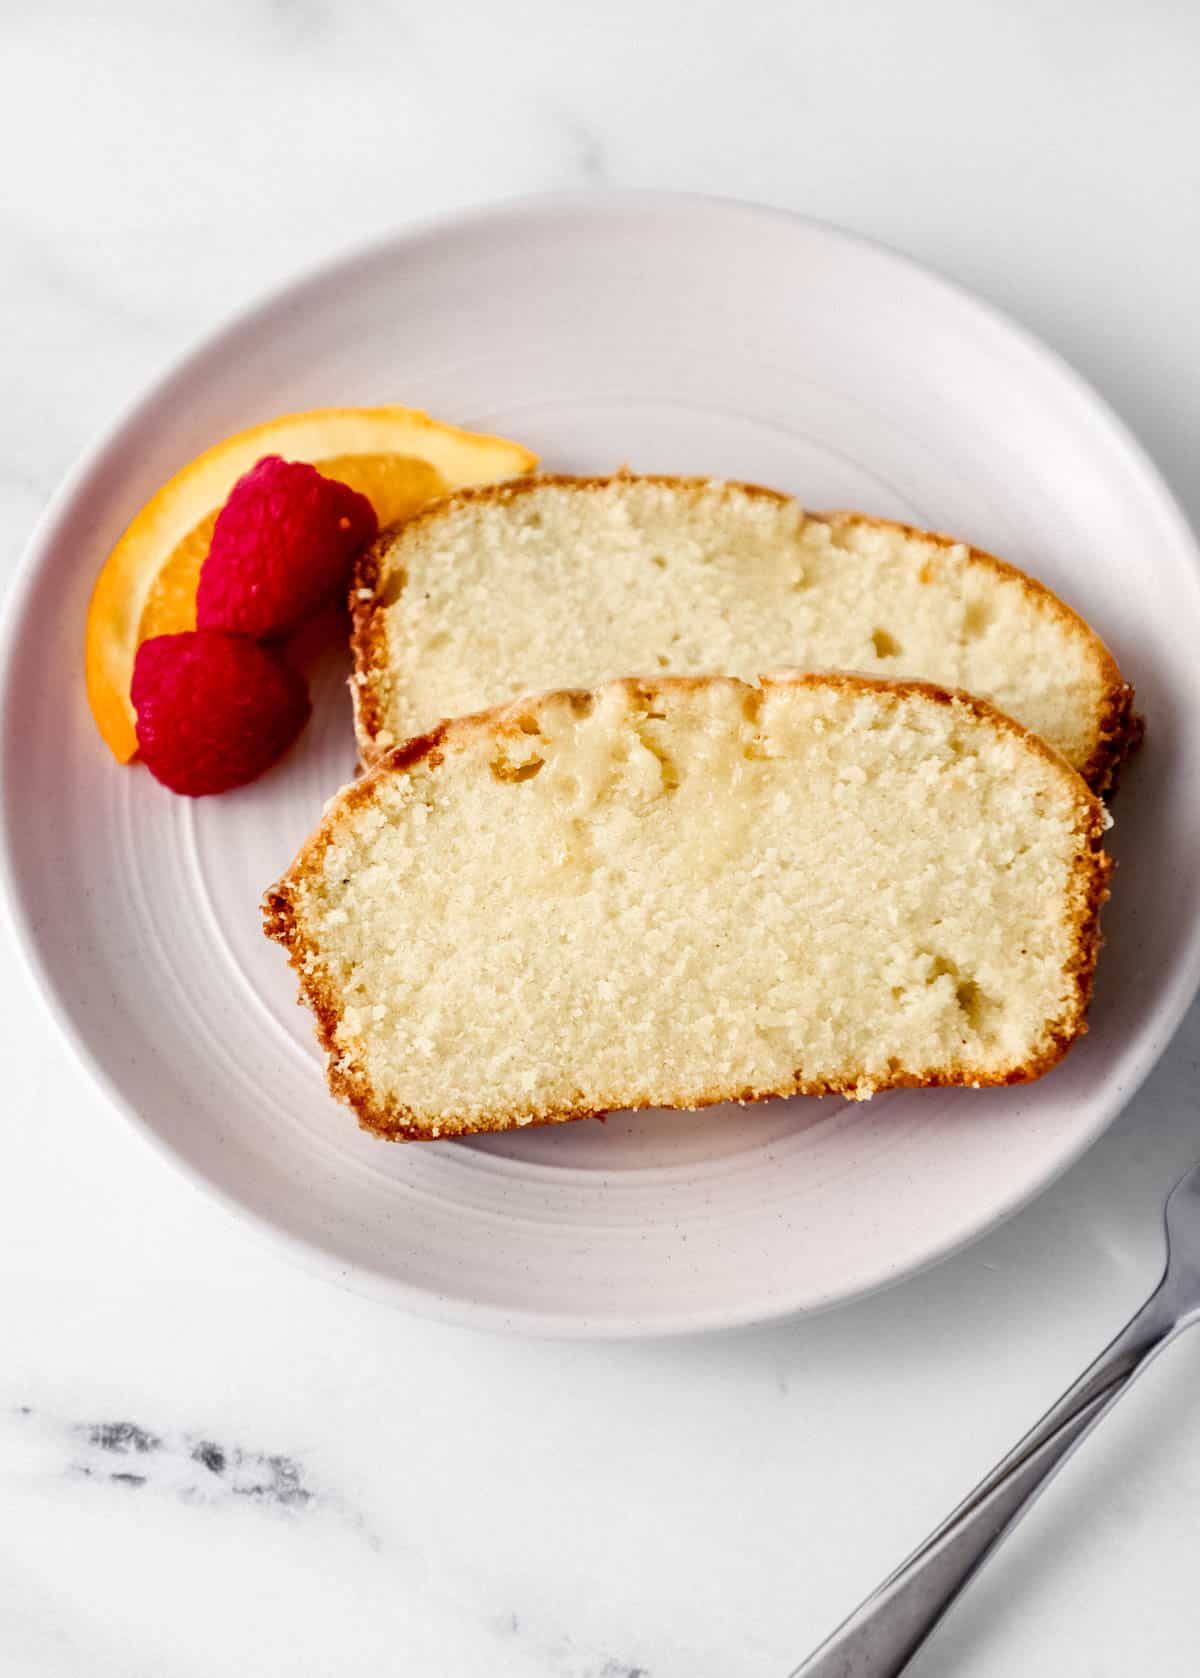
397, 457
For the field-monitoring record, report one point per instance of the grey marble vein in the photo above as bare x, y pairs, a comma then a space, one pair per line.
562, 1656
193, 1467
586, 146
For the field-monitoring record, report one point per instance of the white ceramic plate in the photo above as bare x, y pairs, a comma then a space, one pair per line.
676, 335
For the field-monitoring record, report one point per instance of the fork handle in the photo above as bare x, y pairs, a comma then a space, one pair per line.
884, 1632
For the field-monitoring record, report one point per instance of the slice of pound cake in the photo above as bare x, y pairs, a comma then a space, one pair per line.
676, 892
555, 582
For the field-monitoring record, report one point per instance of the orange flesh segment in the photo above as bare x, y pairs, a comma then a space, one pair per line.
171, 604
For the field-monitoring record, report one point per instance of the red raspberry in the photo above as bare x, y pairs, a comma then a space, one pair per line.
213, 710
281, 548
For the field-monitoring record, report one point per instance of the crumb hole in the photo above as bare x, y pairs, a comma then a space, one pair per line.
886, 646
657, 559
392, 589
582, 704
977, 1008
973, 1002
663, 661
505, 771
528, 724
976, 619
670, 774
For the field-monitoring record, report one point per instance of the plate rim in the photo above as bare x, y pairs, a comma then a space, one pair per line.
311, 1254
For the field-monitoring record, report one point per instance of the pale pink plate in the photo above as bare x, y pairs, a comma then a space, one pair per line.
675, 335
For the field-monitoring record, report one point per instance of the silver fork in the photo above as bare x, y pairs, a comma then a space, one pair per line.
885, 1632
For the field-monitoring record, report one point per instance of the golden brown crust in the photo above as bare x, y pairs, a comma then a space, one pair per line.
393, 1121
1119, 729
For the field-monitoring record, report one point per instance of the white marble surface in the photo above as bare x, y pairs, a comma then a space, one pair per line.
212, 1462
